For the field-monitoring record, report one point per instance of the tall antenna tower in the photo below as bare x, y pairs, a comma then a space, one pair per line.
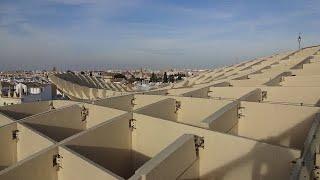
299, 40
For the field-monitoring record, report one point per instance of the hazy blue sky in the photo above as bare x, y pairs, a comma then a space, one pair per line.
142, 33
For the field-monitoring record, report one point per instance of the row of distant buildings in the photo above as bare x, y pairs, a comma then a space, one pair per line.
29, 86
19, 87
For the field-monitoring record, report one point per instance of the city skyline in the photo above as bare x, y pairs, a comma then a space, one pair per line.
81, 34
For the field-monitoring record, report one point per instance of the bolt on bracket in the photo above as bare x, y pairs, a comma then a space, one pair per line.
240, 112
178, 106
133, 102
132, 124
57, 161
15, 135
199, 143
263, 95
84, 113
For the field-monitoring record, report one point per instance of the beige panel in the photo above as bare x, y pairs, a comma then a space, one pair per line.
100, 114
229, 92
192, 172
224, 119
68, 117
5, 120
165, 109
19, 111
102, 94
253, 96
194, 111
30, 142
77, 91
199, 93
63, 103
311, 69
171, 162
86, 92
295, 95
249, 82
222, 84
302, 78
296, 83
157, 92
39, 167
119, 102
58, 124
143, 100
8, 146
276, 81
276, 124
180, 91
223, 157
77, 168
108, 145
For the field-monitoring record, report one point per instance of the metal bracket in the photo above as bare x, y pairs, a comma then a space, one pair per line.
132, 102
132, 124
84, 113
178, 106
57, 161
263, 95
240, 112
15, 135
199, 143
